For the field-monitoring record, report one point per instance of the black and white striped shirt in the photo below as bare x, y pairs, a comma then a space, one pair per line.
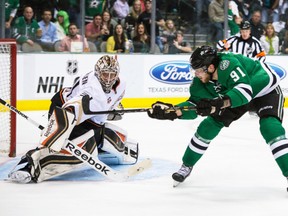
251, 47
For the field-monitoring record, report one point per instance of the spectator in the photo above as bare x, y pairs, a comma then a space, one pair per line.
94, 31
257, 28
118, 42
72, 7
108, 24
249, 6
141, 40
270, 40
26, 29
93, 7
11, 7
270, 12
120, 10
234, 18
282, 32
279, 25
284, 47
73, 42
62, 23
241, 8
179, 46
38, 6
49, 31
243, 43
201, 8
216, 15
132, 17
169, 35
145, 18
283, 8
142, 4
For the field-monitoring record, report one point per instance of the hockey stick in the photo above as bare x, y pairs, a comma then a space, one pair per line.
14, 109
103, 168
86, 109
90, 160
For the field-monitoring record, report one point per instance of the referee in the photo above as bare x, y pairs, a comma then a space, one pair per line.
243, 43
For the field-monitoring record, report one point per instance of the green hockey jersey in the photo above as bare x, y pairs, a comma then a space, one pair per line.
239, 77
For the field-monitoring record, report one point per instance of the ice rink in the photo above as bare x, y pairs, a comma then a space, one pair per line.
237, 176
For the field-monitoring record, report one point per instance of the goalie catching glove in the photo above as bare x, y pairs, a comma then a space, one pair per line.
215, 106
163, 111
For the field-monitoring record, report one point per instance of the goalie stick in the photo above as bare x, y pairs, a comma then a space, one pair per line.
14, 109
86, 109
90, 160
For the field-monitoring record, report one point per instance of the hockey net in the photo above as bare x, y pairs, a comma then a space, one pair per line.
8, 52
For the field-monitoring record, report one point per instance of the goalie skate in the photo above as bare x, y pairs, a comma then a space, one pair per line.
181, 175
20, 176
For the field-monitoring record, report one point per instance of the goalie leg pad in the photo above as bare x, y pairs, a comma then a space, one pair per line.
64, 162
29, 164
44, 163
116, 144
59, 127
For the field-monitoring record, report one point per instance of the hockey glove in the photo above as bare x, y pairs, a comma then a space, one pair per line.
162, 111
207, 107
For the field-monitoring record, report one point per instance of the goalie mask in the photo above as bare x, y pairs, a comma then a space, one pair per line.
107, 71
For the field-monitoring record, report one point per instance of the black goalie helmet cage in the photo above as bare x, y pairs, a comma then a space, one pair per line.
202, 57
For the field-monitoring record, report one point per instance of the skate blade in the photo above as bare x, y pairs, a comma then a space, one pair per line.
176, 183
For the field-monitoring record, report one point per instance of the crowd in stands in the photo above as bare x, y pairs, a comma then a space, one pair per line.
124, 26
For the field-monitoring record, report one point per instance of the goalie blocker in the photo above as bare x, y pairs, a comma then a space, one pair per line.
110, 144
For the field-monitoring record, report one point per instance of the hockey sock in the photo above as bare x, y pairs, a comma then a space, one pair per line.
271, 128
274, 134
207, 130
280, 152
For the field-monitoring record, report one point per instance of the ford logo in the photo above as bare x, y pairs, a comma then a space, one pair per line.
279, 70
172, 72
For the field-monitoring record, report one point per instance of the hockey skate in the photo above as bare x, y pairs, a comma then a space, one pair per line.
20, 176
181, 175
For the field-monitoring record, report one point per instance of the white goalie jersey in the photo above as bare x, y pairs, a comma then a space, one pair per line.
88, 84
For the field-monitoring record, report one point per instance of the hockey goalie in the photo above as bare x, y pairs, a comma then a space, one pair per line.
68, 123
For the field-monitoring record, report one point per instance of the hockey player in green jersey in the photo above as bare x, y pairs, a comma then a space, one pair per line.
225, 87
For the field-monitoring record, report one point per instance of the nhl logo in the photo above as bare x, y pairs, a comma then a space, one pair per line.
72, 67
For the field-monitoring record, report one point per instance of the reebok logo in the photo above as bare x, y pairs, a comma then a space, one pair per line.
84, 156
49, 127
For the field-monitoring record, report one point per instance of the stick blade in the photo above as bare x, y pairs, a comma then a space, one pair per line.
139, 167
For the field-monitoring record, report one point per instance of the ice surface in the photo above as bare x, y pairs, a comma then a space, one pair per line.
237, 176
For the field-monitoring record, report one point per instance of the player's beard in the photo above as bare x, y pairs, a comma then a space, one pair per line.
205, 79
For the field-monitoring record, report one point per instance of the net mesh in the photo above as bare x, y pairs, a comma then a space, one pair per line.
5, 94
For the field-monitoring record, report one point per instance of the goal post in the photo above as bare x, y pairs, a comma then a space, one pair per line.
8, 56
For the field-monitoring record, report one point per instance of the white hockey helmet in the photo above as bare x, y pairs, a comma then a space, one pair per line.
107, 71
